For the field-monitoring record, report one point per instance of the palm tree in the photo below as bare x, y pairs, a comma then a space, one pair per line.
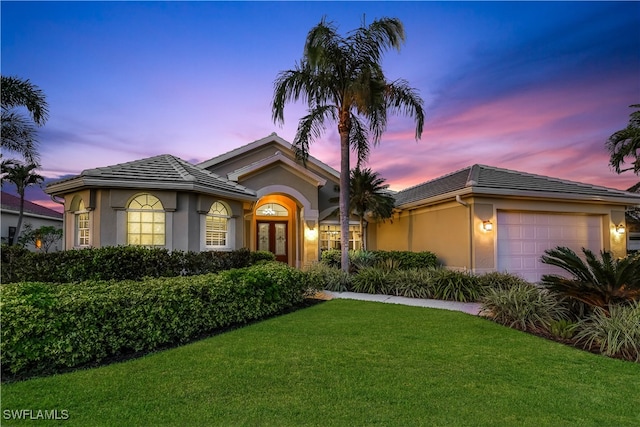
341, 79
18, 132
596, 282
369, 198
626, 143
22, 176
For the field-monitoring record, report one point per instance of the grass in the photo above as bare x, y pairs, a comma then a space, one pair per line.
345, 363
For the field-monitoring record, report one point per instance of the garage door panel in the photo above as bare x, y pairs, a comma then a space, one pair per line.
523, 238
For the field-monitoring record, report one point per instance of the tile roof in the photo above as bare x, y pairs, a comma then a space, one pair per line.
273, 137
10, 202
163, 171
482, 179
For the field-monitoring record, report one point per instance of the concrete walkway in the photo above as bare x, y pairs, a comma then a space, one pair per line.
465, 307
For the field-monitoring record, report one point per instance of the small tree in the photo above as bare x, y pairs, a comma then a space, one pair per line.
42, 238
369, 198
22, 176
624, 145
18, 131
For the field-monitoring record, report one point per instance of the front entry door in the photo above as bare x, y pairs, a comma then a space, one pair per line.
272, 237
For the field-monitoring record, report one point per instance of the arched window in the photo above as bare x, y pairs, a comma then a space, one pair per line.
272, 209
82, 231
217, 226
145, 221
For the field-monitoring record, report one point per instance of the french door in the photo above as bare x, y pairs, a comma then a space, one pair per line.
272, 237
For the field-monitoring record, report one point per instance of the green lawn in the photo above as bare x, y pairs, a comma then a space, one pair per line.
348, 363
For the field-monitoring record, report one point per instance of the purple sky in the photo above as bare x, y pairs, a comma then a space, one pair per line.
536, 87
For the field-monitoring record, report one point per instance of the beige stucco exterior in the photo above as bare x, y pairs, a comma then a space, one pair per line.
454, 231
446, 222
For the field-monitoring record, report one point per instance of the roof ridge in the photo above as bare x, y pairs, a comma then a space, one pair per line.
435, 179
553, 179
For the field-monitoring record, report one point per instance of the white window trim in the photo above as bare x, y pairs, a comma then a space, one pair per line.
231, 231
167, 243
76, 229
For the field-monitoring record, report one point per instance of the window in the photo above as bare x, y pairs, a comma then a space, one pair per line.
145, 221
82, 225
217, 226
272, 209
330, 237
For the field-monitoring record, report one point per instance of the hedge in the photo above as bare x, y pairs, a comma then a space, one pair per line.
47, 327
404, 260
117, 263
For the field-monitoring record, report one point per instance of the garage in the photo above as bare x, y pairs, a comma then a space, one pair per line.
523, 237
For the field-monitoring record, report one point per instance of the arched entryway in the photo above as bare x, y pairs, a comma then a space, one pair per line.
275, 220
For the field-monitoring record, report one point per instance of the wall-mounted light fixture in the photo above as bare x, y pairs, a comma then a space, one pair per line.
487, 225
311, 233
620, 228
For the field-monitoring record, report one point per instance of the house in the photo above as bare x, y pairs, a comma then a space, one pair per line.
33, 214
259, 196
633, 224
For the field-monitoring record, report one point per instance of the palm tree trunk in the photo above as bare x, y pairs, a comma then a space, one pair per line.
20, 215
363, 231
344, 199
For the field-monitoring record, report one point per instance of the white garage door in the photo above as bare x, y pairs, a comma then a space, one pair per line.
524, 236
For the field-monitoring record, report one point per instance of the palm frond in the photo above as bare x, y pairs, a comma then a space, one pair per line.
310, 128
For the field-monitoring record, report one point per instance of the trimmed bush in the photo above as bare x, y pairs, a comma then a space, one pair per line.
50, 327
498, 280
399, 259
116, 263
524, 306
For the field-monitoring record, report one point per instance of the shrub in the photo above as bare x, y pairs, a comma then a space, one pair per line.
597, 282
616, 333
454, 285
499, 280
262, 256
116, 263
49, 327
414, 283
362, 259
401, 259
524, 307
321, 276
370, 280
563, 328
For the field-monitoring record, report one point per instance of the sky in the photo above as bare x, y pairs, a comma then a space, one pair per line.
536, 87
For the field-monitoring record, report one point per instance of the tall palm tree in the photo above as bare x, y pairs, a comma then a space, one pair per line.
18, 132
369, 198
341, 79
625, 143
22, 176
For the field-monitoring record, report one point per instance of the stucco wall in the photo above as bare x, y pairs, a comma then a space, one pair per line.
443, 230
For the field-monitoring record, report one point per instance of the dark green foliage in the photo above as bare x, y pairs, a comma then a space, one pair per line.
50, 327
597, 282
261, 256
323, 277
116, 263
398, 259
